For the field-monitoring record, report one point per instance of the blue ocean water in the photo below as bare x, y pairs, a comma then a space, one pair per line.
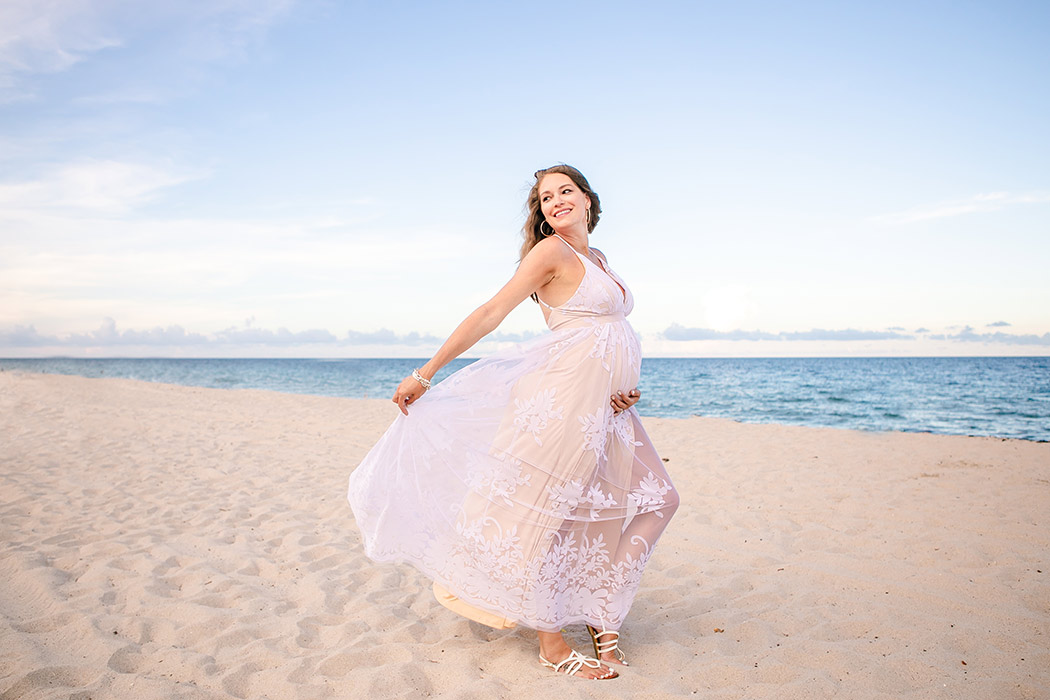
1005, 397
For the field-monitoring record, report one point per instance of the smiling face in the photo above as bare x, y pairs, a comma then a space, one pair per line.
560, 200
563, 204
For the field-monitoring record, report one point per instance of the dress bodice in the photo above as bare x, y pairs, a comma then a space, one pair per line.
601, 294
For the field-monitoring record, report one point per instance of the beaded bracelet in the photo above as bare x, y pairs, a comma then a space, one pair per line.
421, 379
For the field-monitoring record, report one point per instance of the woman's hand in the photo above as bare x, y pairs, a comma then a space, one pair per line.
621, 401
407, 392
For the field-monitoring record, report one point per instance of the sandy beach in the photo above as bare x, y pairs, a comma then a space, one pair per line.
172, 542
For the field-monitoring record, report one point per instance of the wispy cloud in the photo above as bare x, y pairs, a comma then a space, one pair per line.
248, 340
845, 334
997, 324
25, 337
107, 335
389, 337
98, 186
968, 335
50, 36
987, 202
228, 27
262, 336
679, 332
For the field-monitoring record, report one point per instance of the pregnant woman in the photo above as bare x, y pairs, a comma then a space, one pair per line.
524, 484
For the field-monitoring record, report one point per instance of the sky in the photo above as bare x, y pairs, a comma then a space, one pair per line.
282, 178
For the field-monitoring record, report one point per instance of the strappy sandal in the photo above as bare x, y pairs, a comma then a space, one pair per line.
612, 645
574, 662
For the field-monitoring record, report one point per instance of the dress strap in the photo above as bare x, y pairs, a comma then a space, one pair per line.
571, 249
578, 253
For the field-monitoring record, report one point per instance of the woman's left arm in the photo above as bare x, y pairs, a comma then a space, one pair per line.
536, 270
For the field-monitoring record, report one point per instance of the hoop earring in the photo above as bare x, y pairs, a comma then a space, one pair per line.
544, 233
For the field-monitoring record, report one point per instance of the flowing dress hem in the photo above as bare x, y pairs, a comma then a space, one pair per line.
485, 605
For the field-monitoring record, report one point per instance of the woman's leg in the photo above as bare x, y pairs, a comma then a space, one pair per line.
636, 538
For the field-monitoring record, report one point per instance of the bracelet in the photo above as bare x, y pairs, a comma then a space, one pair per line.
421, 379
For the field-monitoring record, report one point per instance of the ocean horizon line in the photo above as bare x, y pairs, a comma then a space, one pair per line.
478, 357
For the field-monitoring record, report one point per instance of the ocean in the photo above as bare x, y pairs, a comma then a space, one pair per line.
1005, 397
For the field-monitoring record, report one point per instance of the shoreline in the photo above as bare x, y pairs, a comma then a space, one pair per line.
915, 431
168, 541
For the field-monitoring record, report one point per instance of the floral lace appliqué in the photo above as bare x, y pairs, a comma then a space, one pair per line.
496, 478
595, 429
622, 426
532, 416
647, 496
565, 498
490, 561
591, 295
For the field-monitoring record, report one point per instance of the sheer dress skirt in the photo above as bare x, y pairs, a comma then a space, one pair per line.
514, 487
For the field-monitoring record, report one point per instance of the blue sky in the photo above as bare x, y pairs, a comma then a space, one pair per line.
279, 178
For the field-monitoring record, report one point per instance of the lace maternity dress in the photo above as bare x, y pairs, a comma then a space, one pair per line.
514, 486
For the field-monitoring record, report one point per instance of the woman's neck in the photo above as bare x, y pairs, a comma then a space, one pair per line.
577, 237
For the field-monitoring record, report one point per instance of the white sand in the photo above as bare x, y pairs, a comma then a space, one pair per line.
172, 542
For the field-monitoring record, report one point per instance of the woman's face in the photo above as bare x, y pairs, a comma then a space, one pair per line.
562, 203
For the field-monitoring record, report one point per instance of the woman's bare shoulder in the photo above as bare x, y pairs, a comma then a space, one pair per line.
551, 248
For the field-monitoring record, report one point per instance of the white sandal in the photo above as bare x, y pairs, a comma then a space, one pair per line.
575, 661
612, 645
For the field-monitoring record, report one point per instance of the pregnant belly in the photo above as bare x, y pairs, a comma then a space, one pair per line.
619, 349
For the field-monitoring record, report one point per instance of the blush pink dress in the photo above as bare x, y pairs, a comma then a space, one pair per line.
514, 486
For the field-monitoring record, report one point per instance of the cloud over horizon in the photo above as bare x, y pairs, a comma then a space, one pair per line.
678, 332
108, 335
968, 335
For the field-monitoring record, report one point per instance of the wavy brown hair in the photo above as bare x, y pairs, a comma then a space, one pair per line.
534, 217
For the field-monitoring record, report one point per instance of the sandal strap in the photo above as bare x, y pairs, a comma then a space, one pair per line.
572, 663
611, 645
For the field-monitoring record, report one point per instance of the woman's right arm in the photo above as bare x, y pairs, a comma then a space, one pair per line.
543, 263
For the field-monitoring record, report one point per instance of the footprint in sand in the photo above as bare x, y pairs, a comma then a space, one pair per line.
47, 680
46, 624
128, 659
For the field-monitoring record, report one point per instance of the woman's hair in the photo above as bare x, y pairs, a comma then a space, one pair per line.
534, 216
